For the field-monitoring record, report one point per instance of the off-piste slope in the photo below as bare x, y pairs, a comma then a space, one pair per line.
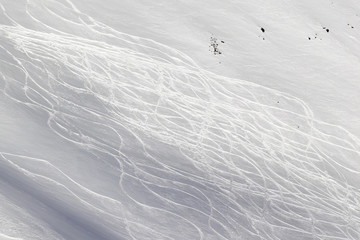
105, 135
308, 49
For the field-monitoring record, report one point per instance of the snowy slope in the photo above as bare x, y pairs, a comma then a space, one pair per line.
117, 122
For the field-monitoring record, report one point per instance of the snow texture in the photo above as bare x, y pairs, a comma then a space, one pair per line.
108, 135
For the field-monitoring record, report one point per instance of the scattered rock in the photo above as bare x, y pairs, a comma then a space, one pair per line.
214, 46
263, 30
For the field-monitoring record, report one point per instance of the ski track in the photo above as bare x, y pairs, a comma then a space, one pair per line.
198, 155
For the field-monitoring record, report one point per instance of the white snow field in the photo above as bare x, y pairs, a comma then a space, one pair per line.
117, 122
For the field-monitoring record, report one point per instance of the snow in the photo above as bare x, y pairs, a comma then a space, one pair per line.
118, 121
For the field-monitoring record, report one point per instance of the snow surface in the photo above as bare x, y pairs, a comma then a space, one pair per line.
118, 121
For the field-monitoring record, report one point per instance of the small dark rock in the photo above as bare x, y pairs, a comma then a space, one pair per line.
262, 29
